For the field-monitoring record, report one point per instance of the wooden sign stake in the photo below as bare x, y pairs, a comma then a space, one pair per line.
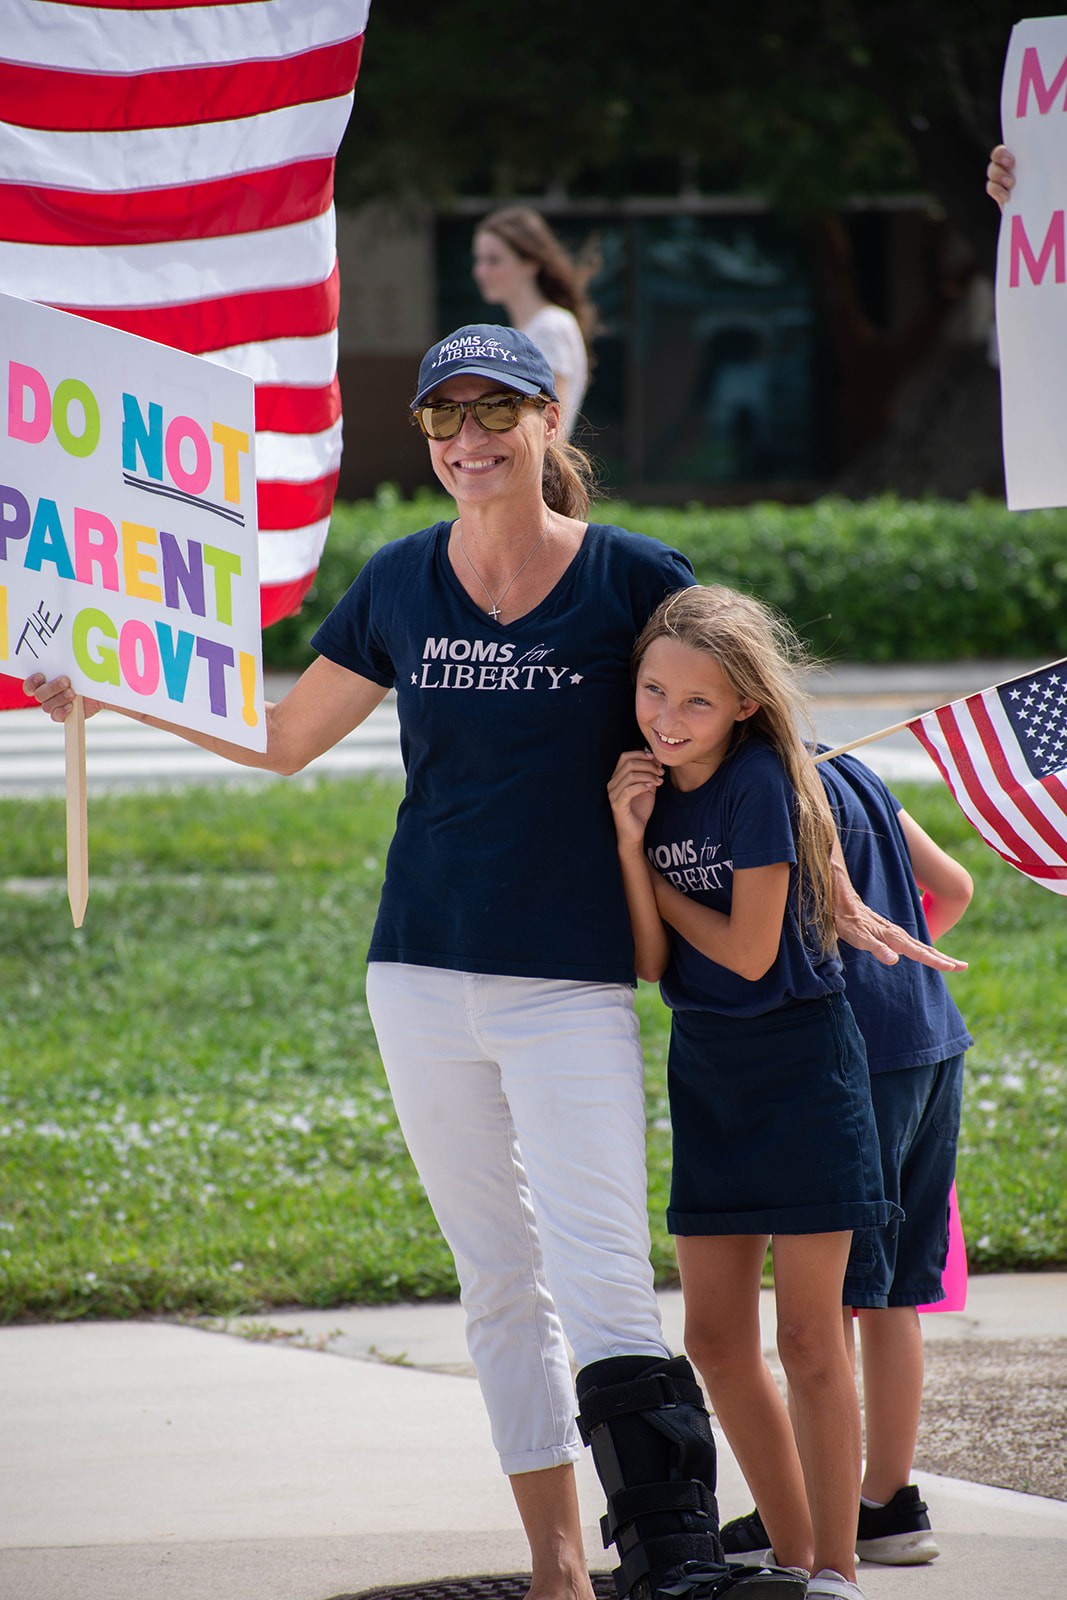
77, 817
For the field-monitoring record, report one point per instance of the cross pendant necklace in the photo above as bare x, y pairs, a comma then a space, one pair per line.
496, 604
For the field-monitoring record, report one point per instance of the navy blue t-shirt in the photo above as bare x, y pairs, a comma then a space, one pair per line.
504, 857
743, 816
906, 1014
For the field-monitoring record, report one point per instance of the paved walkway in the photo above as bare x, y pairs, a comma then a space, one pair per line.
151, 1461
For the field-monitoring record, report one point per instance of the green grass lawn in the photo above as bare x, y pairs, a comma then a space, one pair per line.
193, 1116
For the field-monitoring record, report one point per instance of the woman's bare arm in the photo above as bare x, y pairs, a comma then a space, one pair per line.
325, 703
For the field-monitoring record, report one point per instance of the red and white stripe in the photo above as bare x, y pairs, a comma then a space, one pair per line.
1024, 818
168, 169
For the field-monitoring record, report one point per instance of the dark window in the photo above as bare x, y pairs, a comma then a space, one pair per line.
706, 377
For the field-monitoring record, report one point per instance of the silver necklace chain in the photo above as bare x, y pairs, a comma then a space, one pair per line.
495, 605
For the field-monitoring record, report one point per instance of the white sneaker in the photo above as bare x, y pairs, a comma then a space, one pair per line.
830, 1585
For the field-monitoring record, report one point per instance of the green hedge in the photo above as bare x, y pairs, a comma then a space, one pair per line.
873, 580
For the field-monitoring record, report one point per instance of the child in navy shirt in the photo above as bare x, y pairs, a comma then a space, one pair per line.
725, 843
915, 1040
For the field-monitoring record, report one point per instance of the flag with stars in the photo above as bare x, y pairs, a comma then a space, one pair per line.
1003, 753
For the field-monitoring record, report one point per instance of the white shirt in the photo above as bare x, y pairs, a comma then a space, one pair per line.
556, 333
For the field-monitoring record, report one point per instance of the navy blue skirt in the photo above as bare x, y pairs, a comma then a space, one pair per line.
773, 1127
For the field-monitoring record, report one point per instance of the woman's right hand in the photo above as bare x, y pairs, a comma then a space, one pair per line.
1000, 175
632, 794
56, 696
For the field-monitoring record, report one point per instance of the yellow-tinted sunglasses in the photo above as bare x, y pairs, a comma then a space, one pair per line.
496, 413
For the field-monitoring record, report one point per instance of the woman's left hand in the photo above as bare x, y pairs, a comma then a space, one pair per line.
857, 925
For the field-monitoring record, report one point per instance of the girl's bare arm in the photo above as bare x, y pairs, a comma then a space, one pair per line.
746, 939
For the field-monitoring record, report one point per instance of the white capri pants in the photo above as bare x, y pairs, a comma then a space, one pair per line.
522, 1104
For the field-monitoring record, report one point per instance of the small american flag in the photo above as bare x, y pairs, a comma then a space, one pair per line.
1003, 753
166, 166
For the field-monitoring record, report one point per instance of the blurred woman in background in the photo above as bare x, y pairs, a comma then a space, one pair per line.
518, 263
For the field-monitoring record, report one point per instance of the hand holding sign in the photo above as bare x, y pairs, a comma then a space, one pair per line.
1000, 175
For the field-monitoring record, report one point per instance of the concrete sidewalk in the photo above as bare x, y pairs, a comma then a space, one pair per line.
150, 1461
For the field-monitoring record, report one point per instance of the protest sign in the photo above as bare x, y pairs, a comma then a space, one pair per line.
128, 528
1031, 291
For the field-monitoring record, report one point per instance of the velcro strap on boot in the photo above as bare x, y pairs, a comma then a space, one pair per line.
659, 1561
633, 1568
648, 1499
643, 1394
699, 1582
695, 1581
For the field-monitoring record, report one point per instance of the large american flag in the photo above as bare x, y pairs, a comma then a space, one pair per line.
167, 168
1003, 753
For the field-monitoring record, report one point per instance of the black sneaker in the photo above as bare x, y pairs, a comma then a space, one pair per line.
745, 1540
897, 1534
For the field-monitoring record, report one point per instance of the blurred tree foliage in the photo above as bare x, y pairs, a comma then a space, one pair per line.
806, 105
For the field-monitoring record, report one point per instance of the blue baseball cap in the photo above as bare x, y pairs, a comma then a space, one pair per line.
483, 350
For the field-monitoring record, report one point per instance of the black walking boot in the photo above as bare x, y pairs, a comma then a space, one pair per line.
645, 1421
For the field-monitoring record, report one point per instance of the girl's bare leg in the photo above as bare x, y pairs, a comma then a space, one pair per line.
548, 1506
721, 1282
809, 1271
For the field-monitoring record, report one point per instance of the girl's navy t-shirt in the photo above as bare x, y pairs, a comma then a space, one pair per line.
741, 817
504, 857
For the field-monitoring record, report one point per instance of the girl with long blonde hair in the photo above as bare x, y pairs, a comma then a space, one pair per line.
725, 843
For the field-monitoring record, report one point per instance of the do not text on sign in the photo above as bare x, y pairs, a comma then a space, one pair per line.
128, 529
1032, 266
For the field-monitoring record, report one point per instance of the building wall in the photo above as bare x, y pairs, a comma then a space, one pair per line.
728, 364
387, 320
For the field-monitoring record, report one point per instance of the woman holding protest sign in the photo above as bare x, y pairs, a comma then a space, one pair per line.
501, 964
